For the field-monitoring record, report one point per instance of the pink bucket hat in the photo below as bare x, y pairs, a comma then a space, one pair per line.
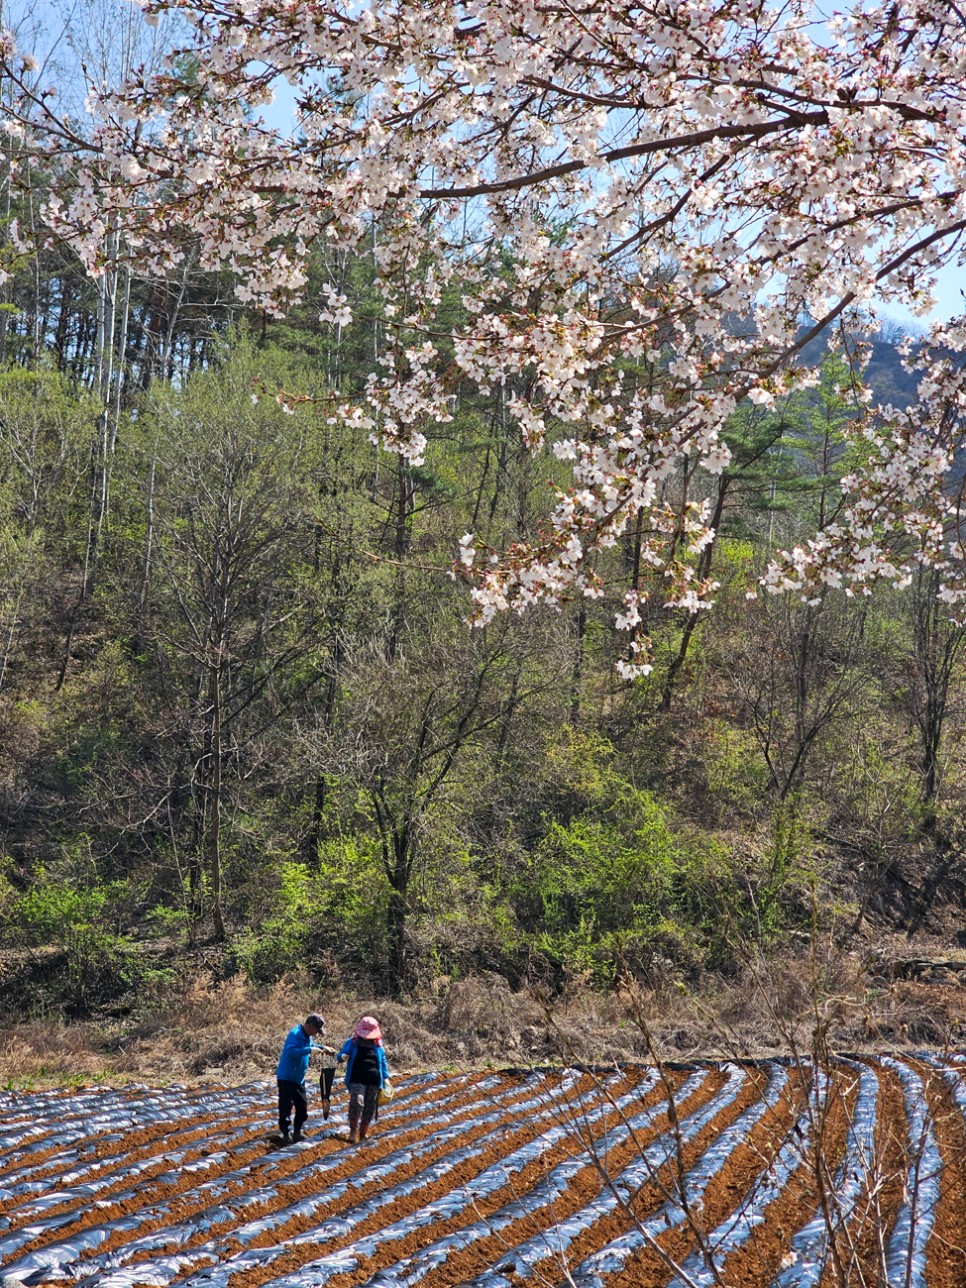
368, 1027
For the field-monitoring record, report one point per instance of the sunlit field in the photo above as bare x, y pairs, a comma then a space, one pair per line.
741, 1174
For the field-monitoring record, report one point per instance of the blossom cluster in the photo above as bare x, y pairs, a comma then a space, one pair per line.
662, 190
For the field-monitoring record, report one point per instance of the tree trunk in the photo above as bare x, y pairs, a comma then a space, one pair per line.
577, 673
704, 571
213, 845
397, 856
399, 965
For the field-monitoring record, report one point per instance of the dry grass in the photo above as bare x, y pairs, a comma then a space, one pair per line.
225, 1031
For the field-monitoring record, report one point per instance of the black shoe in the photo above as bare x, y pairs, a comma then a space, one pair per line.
300, 1135
284, 1137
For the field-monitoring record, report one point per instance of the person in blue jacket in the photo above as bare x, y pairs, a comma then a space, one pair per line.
366, 1071
293, 1064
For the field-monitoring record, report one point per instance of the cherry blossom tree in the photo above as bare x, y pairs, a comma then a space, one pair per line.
694, 187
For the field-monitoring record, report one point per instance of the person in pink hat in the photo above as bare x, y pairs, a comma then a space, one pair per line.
366, 1071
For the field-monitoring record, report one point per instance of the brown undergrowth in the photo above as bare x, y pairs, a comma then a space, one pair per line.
223, 1030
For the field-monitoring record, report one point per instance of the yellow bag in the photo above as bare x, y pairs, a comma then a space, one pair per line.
385, 1094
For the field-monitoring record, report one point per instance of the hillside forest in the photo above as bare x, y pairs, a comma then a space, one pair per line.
241, 703
242, 706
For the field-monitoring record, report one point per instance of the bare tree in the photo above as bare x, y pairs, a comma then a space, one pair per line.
231, 516
423, 725
797, 670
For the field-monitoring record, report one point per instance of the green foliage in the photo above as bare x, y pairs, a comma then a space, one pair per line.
737, 777
744, 898
714, 900
596, 889
278, 945
465, 918
51, 910
788, 869
8, 891
735, 560
102, 968
165, 921
96, 966
496, 778
581, 766
350, 896
324, 920
46, 424
320, 917
880, 793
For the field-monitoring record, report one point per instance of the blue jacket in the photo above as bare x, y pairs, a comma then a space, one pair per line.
348, 1053
293, 1063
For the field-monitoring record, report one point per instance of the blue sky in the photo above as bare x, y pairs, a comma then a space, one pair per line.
950, 290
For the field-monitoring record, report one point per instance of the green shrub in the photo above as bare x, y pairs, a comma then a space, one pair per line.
747, 897
462, 921
95, 965
351, 895
736, 773
103, 969
51, 909
164, 921
596, 888
8, 892
279, 944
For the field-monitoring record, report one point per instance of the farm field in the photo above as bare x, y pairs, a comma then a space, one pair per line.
758, 1173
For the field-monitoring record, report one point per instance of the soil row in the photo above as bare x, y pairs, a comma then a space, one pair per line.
738, 1175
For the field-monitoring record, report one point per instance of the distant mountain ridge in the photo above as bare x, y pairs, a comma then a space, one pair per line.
885, 374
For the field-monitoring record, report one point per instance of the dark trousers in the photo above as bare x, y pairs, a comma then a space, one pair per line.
289, 1094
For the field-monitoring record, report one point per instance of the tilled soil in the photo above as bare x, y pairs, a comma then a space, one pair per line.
764, 1173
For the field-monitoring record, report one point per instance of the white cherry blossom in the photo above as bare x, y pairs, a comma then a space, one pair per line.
674, 187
